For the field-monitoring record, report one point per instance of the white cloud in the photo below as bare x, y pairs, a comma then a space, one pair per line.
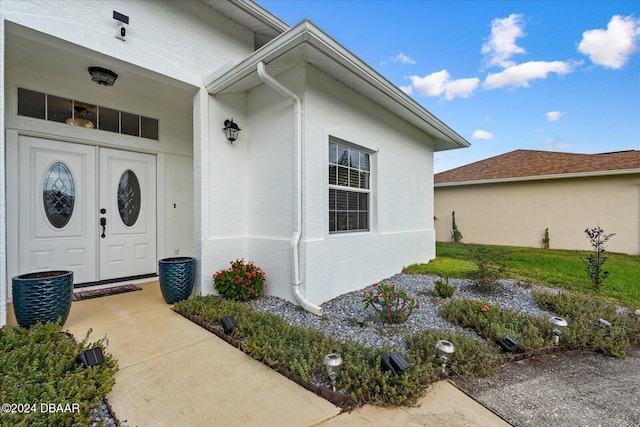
482, 134
519, 75
441, 84
401, 57
501, 45
462, 88
612, 47
432, 84
554, 116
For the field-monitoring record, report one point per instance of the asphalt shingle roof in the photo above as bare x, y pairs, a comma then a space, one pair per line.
533, 163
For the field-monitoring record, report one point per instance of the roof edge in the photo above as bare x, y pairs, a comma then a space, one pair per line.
540, 177
255, 11
307, 32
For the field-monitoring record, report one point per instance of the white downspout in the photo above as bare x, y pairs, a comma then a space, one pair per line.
297, 230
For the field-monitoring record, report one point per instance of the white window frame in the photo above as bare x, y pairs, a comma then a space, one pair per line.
351, 172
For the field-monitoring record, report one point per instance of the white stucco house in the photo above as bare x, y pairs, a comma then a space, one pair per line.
328, 186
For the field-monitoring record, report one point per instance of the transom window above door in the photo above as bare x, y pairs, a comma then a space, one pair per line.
349, 188
76, 113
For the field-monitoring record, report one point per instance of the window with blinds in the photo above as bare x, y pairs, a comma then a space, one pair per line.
349, 189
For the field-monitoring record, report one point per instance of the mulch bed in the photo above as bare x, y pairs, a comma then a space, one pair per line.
97, 293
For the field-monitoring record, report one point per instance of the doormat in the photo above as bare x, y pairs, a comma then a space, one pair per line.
97, 293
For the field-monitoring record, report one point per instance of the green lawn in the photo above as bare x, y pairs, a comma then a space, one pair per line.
548, 267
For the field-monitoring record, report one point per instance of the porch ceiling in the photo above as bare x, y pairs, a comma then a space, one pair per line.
306, 42
49, 56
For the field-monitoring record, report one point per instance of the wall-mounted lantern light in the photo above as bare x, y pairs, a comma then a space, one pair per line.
102, 76
231, 130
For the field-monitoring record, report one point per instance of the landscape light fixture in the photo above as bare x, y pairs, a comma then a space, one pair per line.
508, 344
559, 324
228, 323
395, 363
332, 363
604, 323
102, 76
91, 357
231, 130
445, 351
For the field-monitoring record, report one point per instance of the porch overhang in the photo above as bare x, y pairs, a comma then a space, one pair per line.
306, 42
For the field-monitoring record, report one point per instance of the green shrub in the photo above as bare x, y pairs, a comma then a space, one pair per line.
585, 331
443, 289
492, 322
272, 340
472, 357
240, 281
595, 260
490, 268
455, 232
38, 366
391, 304
546, 240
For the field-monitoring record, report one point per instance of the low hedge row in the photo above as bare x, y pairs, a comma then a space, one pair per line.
271, 340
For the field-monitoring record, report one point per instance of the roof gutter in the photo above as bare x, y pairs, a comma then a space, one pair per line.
297, 229
538, 177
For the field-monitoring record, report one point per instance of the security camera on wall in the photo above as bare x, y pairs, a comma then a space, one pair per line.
122, 32
122, 21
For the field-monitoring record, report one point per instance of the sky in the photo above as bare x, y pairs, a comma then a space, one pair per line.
505, 75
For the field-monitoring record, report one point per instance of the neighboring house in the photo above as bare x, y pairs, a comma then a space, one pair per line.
328, 187
512, 198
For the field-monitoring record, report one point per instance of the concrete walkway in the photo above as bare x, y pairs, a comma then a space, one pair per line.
174, 373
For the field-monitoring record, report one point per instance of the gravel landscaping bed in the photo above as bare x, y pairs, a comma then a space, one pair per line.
577, 388
344, 315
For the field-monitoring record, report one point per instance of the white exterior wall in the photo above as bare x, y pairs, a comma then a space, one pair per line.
401, 203
253, 215
223, 189
250, 209
517, 213
170, 47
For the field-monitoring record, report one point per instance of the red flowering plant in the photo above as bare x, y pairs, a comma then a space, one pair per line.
240, 282
392, 305
485, 308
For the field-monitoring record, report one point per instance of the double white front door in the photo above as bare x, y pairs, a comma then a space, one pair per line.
87, 209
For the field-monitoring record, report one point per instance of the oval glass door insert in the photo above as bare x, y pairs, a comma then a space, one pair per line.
58, 195
129, 198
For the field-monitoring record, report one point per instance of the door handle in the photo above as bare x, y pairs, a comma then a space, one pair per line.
103, 223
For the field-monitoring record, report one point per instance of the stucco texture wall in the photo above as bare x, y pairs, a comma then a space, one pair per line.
517, 213
401, 210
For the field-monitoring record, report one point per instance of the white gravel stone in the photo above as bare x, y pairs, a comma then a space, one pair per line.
342, 314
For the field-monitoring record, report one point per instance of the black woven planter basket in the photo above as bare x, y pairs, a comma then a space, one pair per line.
42, 297
177, 276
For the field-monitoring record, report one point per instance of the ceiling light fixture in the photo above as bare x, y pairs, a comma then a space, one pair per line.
102, 76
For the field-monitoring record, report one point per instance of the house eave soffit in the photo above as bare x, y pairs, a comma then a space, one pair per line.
307, 43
